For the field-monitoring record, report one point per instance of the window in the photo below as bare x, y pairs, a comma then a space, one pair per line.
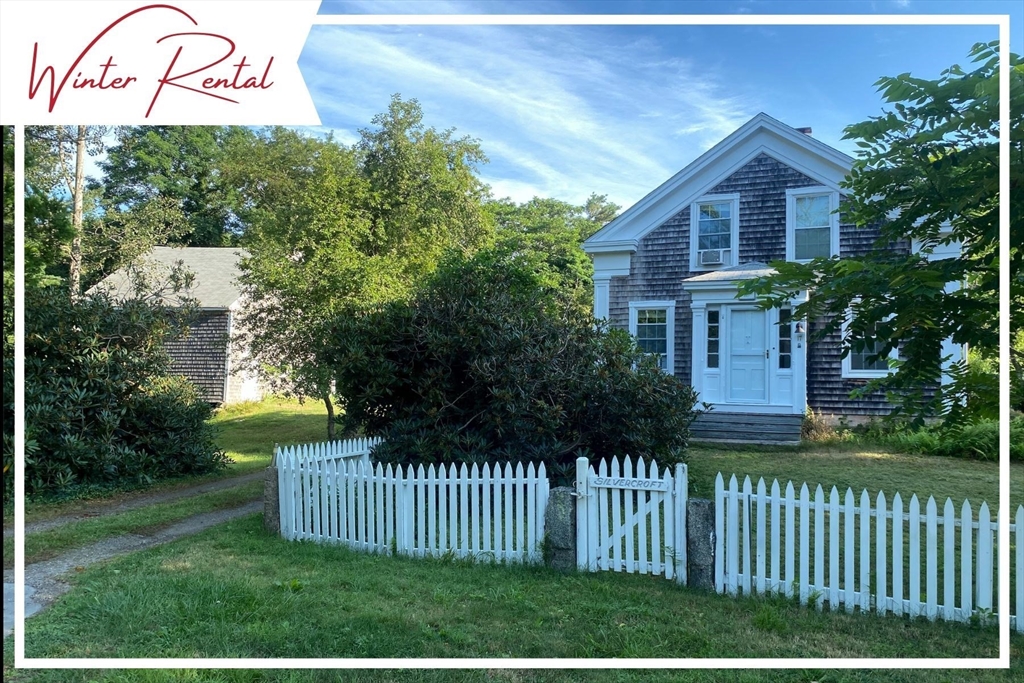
713, 338
714, 225
785, 339
863, 361
652, 323
652, 334
714, 231
812, 226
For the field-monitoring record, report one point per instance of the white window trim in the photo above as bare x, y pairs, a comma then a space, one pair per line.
734, 240
848, 371
833, 204
670, 327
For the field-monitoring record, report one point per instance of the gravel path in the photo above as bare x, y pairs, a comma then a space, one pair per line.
44, 581
133, 503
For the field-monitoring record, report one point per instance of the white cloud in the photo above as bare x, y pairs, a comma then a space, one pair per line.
560, 111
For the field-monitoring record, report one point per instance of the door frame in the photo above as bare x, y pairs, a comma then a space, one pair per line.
723, 295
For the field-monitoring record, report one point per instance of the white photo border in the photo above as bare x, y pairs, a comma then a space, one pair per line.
1002, 662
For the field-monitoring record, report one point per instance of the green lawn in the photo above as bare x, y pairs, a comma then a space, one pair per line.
616, 675
236, 591
866, 468
46, 544
247, 433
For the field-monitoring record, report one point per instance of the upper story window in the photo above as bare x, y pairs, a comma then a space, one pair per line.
653, 325
812, 223
714, 231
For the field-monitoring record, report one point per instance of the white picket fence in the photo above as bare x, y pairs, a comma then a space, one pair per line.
340, 449
480, 512
631, 520
875, 554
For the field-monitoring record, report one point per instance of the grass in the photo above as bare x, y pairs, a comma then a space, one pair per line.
235, 591
506, 676
52, 542
857, 468
247, 433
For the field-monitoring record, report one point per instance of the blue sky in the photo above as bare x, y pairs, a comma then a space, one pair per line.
563, 111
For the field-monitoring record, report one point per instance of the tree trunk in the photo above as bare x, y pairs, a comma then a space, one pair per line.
75, 268
330, 418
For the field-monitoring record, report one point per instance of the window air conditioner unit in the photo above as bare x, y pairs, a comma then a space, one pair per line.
711, 257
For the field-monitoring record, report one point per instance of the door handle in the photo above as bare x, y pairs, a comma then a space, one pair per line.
766, 353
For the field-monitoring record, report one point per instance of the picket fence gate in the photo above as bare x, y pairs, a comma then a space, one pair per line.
480, 512
631, 520
753, 538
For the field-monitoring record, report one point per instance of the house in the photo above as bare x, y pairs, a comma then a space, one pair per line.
667, 269
204, 355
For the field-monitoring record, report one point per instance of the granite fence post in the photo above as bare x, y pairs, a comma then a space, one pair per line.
700, 544
560, 529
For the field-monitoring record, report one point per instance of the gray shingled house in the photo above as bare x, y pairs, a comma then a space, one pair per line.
204, 355
667, 270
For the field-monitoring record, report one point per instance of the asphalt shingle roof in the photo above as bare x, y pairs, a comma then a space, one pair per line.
215, 268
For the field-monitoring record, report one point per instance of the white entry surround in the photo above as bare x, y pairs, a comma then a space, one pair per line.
750, 372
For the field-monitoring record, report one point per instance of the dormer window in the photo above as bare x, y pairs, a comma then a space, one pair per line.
812, 223
714, 222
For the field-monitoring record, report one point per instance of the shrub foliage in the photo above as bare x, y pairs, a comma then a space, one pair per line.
100, 405
484, 364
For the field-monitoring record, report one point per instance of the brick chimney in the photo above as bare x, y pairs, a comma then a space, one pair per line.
805, 130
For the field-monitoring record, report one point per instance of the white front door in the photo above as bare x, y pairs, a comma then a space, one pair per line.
748, 355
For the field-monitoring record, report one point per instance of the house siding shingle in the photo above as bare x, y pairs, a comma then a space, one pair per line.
201, 355
662, 261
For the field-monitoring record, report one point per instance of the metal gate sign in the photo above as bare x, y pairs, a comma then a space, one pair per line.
635, 484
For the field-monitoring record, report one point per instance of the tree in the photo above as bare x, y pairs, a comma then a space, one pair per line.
424, 196
546, 235
331, 229
301, 205
48, 229
61, 151
8, 202
598, 211
180, 167
927, 171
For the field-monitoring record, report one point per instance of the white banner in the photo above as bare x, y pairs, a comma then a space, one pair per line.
188, 62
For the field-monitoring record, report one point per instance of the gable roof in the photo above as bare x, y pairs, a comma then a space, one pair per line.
215, 268
760, 135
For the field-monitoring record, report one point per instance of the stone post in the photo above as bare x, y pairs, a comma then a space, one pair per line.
271, 500
700, 544
560, 529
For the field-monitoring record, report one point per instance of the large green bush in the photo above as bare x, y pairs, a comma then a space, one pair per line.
100, 405
8, 388
484, 364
